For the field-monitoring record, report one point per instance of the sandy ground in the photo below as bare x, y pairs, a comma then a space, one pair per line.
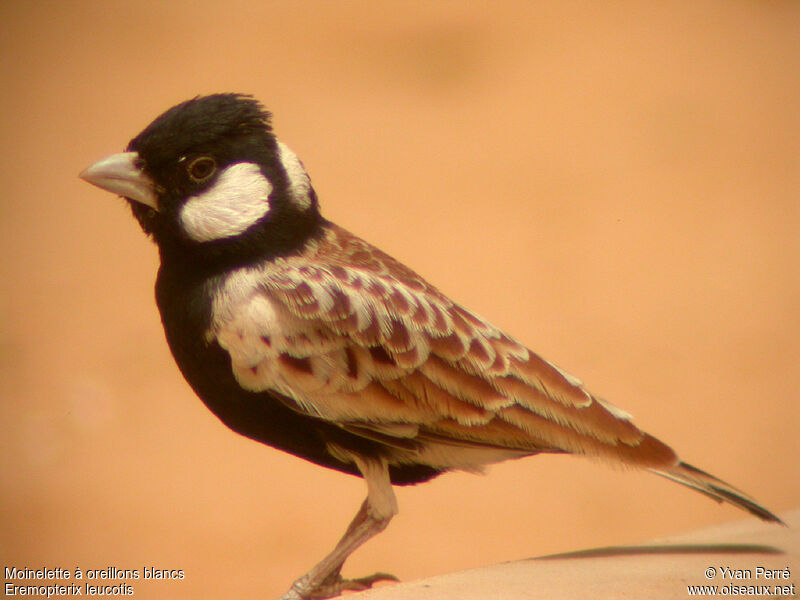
739, 559
616, 186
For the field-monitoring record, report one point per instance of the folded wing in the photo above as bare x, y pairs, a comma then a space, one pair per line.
353, 337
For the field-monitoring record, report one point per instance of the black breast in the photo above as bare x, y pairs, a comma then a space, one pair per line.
185, 305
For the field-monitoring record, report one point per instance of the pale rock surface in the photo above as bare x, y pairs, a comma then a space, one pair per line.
662, 569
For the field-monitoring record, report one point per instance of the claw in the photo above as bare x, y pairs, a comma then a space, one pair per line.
336, 584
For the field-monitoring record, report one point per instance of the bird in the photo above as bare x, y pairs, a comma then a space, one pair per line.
300, 335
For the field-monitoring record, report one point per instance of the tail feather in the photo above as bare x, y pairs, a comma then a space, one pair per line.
716, 489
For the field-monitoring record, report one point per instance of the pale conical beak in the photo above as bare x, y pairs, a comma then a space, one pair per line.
120, 174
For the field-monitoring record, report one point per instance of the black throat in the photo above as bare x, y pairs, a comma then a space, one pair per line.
285, 233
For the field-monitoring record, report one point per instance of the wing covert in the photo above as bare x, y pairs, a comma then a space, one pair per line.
354, 337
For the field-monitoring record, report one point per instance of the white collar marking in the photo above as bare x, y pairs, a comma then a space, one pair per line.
299, 182
237, 200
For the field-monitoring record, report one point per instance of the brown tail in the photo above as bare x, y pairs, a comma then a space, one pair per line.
717, 489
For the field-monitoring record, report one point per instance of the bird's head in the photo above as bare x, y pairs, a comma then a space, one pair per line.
209, 178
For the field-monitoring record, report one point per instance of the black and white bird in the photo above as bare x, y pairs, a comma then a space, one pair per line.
300, 335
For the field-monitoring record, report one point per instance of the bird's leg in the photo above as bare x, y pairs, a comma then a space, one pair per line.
324, 580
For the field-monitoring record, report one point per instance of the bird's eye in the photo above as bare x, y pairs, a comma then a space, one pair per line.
201, 169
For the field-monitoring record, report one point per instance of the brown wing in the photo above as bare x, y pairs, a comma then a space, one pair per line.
356, 338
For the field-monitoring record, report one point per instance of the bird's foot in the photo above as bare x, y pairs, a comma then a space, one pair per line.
333, 586
338, 584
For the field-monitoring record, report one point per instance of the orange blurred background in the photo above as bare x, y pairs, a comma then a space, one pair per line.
614, 184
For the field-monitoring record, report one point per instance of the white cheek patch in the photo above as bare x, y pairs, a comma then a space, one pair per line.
299, 182
236, 201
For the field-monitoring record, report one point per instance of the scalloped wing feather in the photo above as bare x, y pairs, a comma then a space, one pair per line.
354, 337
